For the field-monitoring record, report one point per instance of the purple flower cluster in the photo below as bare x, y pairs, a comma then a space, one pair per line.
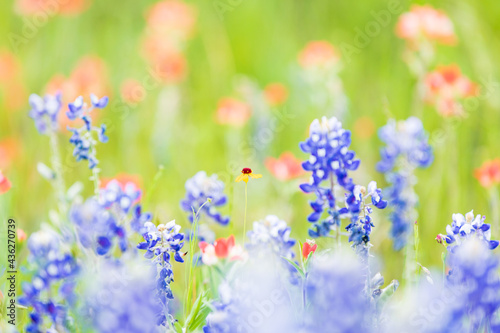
83, 138
44, 112
52, 283
329, 163
206, 193
160, 243
406, 148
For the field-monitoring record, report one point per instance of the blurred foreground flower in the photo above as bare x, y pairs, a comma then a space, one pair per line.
489, 173
286, 167
120, 298
445, 87
233, 112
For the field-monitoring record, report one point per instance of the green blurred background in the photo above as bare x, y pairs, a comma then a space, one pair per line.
261, 40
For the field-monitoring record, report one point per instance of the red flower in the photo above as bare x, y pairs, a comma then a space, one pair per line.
308, 247
222, 248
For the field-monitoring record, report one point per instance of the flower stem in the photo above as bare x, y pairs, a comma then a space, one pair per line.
57, 167
245, 218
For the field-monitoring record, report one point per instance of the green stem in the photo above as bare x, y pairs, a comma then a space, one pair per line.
246, 205
57, 167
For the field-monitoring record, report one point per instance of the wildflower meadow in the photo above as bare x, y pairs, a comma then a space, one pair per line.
233, 166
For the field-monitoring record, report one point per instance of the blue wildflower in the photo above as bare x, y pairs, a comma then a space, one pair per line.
406, 149
329, 163
274, 234
160, 243
361, 223
474, 273
206, 193
51, 289
465, 227
44, 111
120, 298
335, 298
97, 227
82, 138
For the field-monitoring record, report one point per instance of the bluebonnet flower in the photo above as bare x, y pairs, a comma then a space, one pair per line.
44, 111
52, 283
98, 228
360, 227
465, 227
272, 234
120, 298
406, 148
334, 290
474, 272
206, 193
329, 163
160, 242
83, 138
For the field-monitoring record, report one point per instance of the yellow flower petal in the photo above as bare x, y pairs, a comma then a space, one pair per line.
255, 175
242, 177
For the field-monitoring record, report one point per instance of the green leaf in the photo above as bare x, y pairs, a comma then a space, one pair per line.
198, 314
301, 272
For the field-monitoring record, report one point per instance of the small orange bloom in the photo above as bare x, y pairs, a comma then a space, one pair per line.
425, 22
9, 149
233, 112
5, 184
276, 94
132, 91
445, 87
489, 173
364, 127
286, 167
318, 54
21, 235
